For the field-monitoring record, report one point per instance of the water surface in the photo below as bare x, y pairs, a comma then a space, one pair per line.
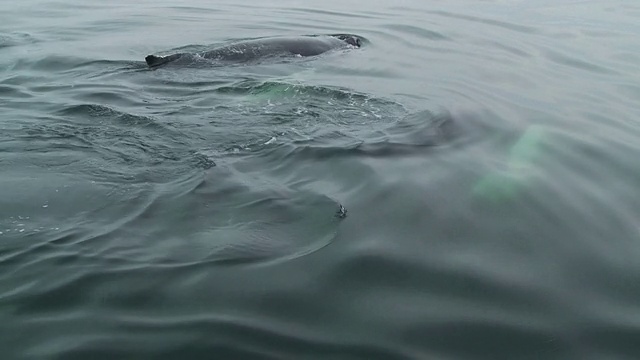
486, 154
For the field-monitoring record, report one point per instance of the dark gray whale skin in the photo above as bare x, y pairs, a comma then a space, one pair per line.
309, 45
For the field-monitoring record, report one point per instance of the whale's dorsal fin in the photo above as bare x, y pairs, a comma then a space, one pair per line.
153, 60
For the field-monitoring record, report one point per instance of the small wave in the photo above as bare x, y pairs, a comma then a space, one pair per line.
12, 91
283, 89
16, 39
417, 31
97, 140
107, 115
235, 336
49, 63
483, 20
415, 133
73, 66
577, 63
225, 218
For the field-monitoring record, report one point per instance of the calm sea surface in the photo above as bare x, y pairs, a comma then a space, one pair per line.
487, 154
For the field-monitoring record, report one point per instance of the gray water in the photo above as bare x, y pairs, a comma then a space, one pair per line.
486, 152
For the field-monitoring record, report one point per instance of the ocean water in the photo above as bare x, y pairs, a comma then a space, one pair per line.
463, 186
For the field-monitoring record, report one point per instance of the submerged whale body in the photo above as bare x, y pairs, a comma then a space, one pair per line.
262, 48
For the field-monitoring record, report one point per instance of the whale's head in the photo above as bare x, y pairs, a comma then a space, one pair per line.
349, 39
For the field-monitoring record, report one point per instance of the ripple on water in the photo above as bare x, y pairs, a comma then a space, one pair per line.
227, 217
16, 39
469, 235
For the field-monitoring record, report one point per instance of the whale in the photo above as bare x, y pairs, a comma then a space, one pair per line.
252, 50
